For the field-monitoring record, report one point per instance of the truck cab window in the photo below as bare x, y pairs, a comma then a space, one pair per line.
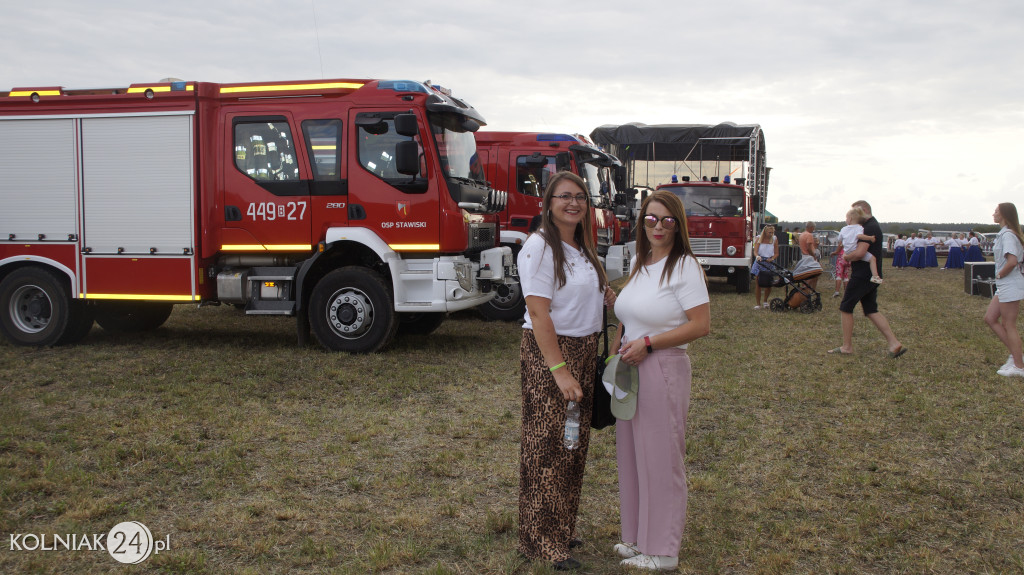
532, 174
264, 150
323, 142
377, 143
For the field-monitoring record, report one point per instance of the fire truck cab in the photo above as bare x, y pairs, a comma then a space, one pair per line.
521, 163
357, 206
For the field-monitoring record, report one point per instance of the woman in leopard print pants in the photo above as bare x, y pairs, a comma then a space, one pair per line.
564, 286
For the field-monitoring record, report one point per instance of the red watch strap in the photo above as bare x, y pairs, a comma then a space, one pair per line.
647, 342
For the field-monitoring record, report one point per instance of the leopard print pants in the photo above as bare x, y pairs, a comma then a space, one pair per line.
551, 476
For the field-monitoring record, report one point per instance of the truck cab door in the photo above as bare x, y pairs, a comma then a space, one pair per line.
403, 209
266, 187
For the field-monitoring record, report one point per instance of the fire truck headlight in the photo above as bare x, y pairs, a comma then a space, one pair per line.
731, 250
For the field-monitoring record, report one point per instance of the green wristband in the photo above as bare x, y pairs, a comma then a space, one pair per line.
554, 367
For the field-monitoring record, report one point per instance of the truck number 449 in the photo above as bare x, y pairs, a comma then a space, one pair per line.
270, 211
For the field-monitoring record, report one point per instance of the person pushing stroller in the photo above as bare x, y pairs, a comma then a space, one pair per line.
854, 231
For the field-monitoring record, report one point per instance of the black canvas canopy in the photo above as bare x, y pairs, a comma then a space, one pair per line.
636, 142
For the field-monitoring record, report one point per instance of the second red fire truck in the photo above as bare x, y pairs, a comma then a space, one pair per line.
520, 163
357, 206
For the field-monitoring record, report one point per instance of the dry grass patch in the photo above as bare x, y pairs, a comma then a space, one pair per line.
257, 456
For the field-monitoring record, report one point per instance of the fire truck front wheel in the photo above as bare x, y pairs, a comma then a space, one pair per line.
507, 304
351, 310
35, 307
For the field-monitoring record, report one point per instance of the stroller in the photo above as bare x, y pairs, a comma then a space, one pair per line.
799, 285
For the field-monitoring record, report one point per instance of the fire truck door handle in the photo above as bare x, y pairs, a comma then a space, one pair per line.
356, 212
232, 214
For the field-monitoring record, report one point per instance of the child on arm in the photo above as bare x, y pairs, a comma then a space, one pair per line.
852, 233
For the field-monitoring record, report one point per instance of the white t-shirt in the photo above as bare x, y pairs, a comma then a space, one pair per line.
974, 241
646, 308
1011, 287
576, 306
952, 243
900, 243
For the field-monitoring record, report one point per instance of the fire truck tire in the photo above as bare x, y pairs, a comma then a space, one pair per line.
34, 307
351, 310
508, 303
83, 314
132, 317
419, 323
743, 280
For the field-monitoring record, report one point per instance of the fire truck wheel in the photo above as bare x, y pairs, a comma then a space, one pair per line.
419, 323
742, 280
132, 317
351, 310
507, 304
34, 307
80, 322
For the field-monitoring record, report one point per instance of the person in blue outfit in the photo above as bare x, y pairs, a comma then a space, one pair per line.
899, 252
1001, 315
955, 259
974, 249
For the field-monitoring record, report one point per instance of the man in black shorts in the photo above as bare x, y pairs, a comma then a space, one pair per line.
861, 290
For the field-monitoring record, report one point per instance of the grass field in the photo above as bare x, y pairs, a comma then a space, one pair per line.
255, 456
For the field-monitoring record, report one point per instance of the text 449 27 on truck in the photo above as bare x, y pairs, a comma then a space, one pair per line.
357, 206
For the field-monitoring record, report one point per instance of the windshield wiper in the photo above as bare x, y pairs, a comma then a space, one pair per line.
713, 211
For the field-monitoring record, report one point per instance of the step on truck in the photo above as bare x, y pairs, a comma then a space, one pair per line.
520, 163
357, 206
718, 171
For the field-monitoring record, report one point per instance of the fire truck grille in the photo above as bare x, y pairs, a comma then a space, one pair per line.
706, 246
481, 237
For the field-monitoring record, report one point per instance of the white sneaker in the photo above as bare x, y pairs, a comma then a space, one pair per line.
835, 294
757, 307
1011, 371
626, 550
652, 562
1009, 362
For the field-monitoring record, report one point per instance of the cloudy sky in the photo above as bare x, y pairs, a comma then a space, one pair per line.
915, 105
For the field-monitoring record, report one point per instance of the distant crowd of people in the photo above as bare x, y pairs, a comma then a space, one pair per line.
919, 250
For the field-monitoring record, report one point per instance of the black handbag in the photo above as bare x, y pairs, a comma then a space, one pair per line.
601, 411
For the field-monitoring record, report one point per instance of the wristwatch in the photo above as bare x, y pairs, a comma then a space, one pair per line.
647, 342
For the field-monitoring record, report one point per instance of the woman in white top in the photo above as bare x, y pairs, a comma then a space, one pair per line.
955, 259
974, 250
663, 307
767, 249
1002, 311
899, 252
564, 286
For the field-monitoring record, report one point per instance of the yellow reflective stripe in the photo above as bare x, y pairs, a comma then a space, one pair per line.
415, 247
40, 92
325, 147
132, 296
286, 87
139, 89
268, 247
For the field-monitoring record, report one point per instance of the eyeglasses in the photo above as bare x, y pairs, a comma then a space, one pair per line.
667, 222
580, 198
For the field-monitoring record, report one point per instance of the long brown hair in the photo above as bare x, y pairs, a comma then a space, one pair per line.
1008, 211
584, 233
680, 239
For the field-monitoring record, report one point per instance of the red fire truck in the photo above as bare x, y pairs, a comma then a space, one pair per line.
720, 174
520, 163
357, 206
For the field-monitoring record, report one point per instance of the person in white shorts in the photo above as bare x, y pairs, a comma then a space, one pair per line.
1001, 315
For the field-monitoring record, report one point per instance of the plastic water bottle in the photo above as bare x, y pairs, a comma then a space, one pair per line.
571, 436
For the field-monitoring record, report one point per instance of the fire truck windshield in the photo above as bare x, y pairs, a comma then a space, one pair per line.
456, 147
599, 184
714, 201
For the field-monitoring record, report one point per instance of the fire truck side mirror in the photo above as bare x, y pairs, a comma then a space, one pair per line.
405, 125
619, 177
407, 157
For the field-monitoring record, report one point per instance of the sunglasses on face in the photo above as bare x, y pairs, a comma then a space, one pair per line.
667, 222
580, 198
